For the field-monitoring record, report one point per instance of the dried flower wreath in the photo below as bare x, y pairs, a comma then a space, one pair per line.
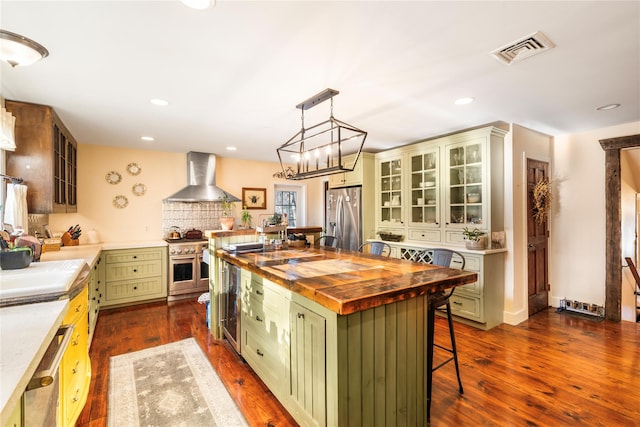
541, 200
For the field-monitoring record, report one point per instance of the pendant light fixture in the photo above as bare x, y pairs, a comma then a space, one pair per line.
20, 50
321, 149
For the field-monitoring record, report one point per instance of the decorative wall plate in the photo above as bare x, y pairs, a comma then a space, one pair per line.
120, 201
134, 169
113, 177
139, 189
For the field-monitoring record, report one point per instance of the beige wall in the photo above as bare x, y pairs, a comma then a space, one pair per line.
163, 173
521, 144
577, 225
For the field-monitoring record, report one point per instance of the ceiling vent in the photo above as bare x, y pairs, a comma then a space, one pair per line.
523, 48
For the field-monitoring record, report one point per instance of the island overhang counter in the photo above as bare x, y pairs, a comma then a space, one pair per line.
339, 337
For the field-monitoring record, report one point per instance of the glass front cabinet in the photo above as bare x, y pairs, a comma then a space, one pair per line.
444, 184
390, 198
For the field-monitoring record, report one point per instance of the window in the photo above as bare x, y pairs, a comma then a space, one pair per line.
289, 201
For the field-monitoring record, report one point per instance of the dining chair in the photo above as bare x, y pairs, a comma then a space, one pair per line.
375, 248
327, 241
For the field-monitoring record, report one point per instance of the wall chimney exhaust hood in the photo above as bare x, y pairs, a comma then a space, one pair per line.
201, 181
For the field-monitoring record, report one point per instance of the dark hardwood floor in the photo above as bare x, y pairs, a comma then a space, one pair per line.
552, 370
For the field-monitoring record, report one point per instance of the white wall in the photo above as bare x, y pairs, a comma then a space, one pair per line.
577, 224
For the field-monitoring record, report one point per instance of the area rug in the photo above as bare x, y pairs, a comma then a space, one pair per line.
169, 385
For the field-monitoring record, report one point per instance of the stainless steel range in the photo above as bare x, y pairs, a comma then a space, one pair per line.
188, 275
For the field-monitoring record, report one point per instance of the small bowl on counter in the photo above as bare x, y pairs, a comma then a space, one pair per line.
15, 259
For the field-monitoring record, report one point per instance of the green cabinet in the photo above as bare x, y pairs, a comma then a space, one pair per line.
308, 366
326, 369
134, 275
429, 191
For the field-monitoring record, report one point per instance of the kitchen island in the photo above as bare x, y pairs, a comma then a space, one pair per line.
339, 337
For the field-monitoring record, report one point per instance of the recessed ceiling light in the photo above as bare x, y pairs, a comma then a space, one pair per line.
199, 4
231, 148
159, 102
608, 107
147, 138
463, 101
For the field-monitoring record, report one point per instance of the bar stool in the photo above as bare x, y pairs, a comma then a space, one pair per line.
436, 301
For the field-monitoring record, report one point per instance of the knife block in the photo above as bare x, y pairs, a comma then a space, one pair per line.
68, 241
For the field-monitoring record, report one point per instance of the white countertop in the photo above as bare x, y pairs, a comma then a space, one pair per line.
26, 332
40, 278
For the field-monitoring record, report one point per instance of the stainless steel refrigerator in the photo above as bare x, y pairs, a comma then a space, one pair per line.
343, 217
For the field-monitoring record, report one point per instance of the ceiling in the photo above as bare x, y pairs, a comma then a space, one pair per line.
233, 74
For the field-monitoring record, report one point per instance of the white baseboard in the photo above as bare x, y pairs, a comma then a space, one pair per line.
516, 317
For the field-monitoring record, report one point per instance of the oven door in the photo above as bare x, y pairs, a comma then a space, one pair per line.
183, 274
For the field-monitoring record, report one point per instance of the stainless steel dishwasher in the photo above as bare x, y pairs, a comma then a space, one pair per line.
43, 391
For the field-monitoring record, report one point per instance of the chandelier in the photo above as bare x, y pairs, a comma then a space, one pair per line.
321, 149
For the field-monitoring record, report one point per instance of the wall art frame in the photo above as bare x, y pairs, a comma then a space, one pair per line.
254, 198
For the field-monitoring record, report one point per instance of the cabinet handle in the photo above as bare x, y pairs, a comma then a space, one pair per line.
135, 257
261, 354
300, 315
259, 292
457, 303
135, 288
135, 270
258, 318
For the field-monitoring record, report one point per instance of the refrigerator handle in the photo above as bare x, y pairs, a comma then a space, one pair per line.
339, 216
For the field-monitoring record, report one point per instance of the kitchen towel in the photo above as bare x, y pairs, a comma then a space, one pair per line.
15, 210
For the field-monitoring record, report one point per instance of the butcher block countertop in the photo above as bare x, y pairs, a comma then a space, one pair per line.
346, 282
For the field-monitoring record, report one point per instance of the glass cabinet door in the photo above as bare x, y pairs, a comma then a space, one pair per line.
424, 188
391, 190
465, 186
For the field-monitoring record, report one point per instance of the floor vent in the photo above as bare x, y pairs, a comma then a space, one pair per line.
582, 307
523, 48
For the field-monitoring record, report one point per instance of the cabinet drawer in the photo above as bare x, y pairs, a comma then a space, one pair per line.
118, 292
77, 307
471, 263
424, 235
114, 257
133, 270
467, 307
269, 323
472, 289
454, 237
264, 359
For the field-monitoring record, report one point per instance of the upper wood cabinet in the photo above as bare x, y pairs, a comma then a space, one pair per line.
45, 158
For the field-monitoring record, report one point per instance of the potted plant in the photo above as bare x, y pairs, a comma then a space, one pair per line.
246, 218
227, 220
474, 238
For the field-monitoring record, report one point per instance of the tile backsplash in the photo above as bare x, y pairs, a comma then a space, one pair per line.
188, 215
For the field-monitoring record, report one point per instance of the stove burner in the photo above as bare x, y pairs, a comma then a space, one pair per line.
185, 240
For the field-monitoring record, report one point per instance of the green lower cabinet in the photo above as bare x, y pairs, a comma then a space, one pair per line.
308, 368
362, 369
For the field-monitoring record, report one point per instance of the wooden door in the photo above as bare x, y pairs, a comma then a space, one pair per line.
537, 246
